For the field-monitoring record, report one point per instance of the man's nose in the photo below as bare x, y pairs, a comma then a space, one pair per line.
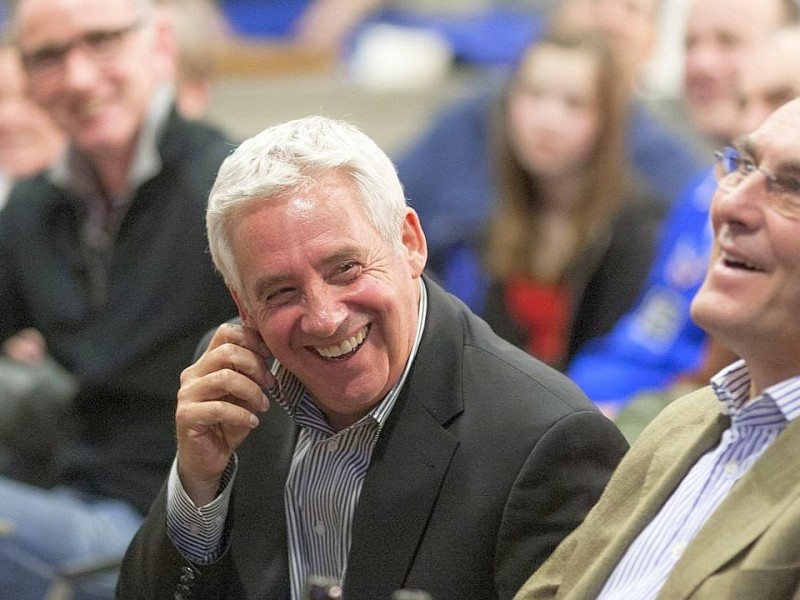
80, 69
743, 204
324, 312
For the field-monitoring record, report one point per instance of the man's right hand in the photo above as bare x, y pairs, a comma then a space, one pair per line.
218, 400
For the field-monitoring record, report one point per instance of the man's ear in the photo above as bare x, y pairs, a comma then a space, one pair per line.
244, 314
165, 47
414, 242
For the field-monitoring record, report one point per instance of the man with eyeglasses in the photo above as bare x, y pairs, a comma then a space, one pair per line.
105, 254
706, 504
655, 352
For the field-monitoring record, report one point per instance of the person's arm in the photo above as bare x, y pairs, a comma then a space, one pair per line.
197, 531
217, 401
559, 483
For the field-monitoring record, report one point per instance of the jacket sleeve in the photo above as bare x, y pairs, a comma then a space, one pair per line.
559, 483
154, 568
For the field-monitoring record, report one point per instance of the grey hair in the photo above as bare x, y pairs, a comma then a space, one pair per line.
290, 157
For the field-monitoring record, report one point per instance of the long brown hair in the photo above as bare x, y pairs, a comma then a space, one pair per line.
514, 226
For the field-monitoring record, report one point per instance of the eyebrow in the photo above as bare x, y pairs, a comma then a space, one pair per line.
266, 283
746, 145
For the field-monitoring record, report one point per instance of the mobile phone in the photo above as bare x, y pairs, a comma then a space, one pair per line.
276, 392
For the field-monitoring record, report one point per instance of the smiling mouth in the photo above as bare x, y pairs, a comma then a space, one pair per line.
345, 348
737, 263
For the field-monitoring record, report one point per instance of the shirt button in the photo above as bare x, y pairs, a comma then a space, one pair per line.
333, 445
677, 549
195, 529
319, 528
731, 467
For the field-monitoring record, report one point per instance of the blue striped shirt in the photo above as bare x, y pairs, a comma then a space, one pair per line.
755, 423
321, 492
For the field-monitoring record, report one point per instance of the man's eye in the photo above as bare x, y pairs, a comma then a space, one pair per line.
44, 57
746, 165
278, 296
348, 270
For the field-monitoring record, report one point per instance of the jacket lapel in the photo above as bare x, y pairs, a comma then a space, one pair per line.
261, 553
679, 444
757, 500
409, 463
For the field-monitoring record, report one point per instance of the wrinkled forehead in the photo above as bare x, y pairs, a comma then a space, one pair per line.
778, 138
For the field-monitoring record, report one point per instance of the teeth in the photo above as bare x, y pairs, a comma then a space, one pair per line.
738, 262
346, 346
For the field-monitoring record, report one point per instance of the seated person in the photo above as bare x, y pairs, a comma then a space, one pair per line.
448, 171
406, 445
706, 504
770, 78
656, 344
568, 241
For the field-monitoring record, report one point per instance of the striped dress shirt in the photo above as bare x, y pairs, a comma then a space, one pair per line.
755, 423
321, 491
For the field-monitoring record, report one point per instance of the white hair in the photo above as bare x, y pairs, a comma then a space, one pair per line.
287, 158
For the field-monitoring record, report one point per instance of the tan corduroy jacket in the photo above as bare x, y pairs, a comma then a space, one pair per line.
748, 550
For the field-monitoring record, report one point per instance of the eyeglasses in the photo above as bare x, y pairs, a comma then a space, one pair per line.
784, 191
46, 64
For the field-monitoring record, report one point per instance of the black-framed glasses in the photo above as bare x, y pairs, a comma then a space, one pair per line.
733, 167
47, 62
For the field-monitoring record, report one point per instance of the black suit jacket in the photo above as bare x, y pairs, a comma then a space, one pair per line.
488, 460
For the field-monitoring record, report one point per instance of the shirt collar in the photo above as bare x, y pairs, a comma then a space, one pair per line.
72, 171
298, 402
732, 387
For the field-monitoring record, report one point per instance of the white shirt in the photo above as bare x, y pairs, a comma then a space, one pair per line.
321, 490
755, 423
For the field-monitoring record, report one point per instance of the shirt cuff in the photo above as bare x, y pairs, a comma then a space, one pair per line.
197, 532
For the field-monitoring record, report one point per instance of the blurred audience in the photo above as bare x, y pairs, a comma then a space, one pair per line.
34, 389
568, 242
29, 140
656, 344
447, 171
105, 254
476, 31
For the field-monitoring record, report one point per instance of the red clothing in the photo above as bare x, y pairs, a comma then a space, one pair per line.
543, 311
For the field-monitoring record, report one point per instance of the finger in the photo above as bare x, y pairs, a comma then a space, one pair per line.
240, 335
235, 387
195, 419
237, 348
